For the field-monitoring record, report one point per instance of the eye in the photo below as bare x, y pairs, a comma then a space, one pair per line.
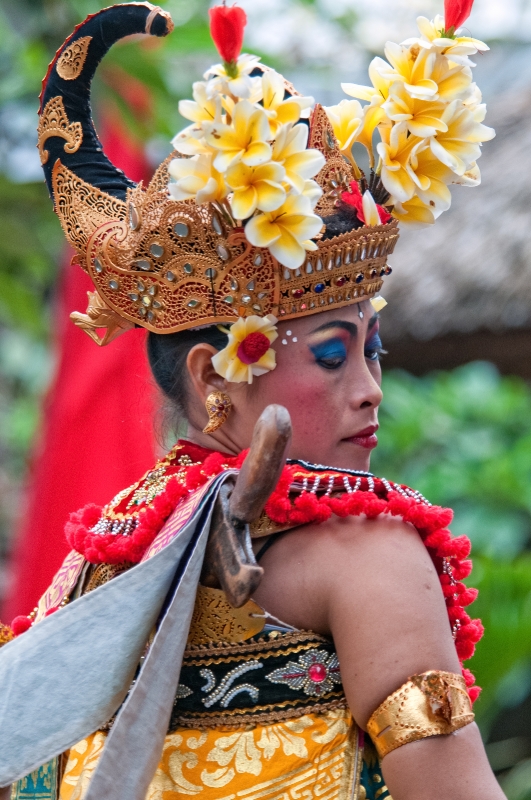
373, 348
331, 354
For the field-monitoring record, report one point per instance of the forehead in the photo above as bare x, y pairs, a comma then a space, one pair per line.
305, 325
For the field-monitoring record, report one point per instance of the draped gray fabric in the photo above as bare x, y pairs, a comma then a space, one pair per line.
65, 677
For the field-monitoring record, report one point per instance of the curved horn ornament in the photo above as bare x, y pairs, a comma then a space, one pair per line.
65, 123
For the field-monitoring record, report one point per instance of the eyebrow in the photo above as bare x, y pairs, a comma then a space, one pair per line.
346, 326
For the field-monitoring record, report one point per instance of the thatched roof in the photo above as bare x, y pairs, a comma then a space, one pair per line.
471, 271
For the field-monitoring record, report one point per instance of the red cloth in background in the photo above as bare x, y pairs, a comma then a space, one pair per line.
97, 424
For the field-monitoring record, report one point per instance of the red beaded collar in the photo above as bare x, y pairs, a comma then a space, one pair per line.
125, 528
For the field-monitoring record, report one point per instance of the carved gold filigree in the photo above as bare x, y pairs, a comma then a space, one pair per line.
54, 122
215, 620
171, 265
99, 316
81, 207
337, 173
72, 59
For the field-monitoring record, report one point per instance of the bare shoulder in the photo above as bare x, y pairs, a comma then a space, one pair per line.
372, 586
309, 565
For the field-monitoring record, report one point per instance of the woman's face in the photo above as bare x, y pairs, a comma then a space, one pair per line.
328, 376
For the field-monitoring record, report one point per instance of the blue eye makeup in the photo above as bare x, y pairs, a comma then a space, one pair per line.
330, 354
373, 347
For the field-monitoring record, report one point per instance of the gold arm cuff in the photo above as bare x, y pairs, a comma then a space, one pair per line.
432, 704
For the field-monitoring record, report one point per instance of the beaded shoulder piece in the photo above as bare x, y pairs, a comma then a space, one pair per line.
122, 531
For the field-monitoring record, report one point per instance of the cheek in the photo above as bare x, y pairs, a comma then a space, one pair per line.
308, 392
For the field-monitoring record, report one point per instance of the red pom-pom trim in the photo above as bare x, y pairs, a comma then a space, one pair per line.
20, 625
291, 508
253, 347
226, 28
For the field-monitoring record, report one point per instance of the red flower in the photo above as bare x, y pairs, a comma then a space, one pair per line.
226, 28
456, 12
253, 347
354, 198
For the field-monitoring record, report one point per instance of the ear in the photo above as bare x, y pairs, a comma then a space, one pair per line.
203, 377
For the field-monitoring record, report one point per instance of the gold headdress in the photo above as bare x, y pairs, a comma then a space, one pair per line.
175, 255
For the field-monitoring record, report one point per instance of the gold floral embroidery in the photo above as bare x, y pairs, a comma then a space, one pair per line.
72, 59
54, 122
82, 761
284, 761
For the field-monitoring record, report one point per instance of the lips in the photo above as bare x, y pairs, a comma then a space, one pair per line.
366, 438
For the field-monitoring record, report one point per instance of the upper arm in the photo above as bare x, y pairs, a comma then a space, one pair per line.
372, 585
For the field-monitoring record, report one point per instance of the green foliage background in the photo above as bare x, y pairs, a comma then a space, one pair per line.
462, 438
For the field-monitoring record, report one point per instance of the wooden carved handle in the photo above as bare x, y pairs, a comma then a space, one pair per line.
229, 559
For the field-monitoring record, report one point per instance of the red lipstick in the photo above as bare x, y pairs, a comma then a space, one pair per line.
366, 438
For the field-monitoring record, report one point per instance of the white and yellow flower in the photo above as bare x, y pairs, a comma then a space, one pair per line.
312, 191
370, 210
237, 81
203, 108
287, 232
395, 155
346, 119
190, 141
413, 67
379, 91
246, 139
414, 213
196, 178
248, 352
456, 48
422, 117
255, 188
289, 149
459, 146
279, 110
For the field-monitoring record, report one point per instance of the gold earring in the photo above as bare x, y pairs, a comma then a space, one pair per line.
218, 406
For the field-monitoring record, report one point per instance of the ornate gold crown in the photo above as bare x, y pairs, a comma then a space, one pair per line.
168, 265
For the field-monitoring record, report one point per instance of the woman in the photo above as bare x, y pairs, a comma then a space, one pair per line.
357, 571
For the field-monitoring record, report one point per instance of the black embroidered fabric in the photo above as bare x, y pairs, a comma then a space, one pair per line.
270, 677
89, 162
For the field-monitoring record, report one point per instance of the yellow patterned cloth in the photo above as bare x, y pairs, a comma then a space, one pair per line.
315, 756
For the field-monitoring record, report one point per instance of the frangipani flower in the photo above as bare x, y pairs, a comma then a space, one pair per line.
431, 178
367, 210
453, 81
313, 192
196, 178
378, 72
248, 352
395, 156
290, 150
190, 141
413, 68
255, 188
414, 213
202, 108
279, 110
431, 37
459, 146
287, 231
422, 117
237, 80
346, 119
246, 139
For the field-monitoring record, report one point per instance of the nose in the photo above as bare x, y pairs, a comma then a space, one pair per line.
365, 389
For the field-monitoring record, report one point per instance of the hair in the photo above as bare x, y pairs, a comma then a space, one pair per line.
167, 354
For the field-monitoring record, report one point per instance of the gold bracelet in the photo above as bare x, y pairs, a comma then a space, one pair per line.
432, 704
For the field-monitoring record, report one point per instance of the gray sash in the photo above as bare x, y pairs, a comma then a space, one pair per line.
65, 677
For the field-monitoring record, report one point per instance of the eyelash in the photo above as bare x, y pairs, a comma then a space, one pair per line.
374, 349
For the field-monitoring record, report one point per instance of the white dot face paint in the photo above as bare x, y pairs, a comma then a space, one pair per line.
289, 333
